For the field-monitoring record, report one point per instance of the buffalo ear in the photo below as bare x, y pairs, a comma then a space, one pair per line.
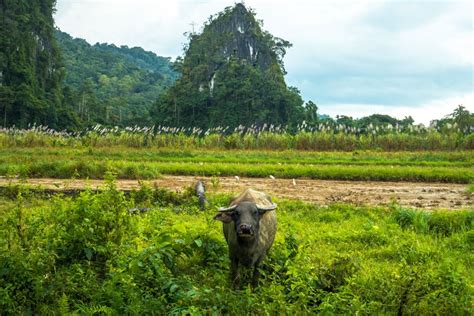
224, 217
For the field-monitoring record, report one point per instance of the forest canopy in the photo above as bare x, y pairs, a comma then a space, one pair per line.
112, 85
30, 66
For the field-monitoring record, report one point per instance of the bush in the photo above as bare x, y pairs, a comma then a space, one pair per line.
438, 222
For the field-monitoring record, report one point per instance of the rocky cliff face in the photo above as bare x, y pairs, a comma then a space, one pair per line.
244, 37
234, 33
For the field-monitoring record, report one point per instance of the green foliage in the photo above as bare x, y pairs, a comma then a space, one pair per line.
439, 223
92, 228
148, 196
461, 118
112, 85
172, 259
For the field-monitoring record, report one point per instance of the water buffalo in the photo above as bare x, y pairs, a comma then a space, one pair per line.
250, 225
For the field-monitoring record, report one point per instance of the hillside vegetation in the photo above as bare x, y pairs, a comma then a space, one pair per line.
112, 85
30, 66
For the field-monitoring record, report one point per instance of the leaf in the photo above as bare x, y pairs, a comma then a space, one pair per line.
173, 288
198, 242
88, 252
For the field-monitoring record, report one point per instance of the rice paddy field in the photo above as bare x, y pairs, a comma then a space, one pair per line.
143, 163
92, 252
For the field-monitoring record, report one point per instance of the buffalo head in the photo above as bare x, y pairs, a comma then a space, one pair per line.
246, 216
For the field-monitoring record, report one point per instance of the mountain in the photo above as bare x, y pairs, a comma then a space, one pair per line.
112, 85
30, 66
232, 73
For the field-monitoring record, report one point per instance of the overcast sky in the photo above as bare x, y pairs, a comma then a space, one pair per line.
352, 58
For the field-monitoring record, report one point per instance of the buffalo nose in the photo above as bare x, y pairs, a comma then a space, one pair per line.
246, 229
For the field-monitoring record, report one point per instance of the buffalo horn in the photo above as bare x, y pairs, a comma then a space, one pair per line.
267, 207
227, 209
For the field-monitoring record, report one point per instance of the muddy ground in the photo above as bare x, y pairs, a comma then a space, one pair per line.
420, 195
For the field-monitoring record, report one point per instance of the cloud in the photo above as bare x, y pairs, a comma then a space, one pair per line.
389, 54
338, 85
423, 113
149, 24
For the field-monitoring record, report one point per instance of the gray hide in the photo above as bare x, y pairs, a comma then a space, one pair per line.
250, 225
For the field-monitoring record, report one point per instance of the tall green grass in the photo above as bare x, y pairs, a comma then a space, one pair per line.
315, 140
438, 223
470, 188
89, 254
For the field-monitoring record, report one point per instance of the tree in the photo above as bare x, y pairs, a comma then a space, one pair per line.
407, 121
311, 113
460, 119
345, 120
464, 119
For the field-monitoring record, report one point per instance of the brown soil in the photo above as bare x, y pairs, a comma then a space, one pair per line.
421, 195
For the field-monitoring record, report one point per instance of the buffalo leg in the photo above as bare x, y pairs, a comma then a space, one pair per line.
256, 275
234, 273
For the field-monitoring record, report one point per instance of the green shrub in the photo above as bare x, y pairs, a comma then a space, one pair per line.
437, 222
92, 227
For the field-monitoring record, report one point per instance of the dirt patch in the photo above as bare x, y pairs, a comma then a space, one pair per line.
420, 195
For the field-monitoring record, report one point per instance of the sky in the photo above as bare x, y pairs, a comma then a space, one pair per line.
353, 58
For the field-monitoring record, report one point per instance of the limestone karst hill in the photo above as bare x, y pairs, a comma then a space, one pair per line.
232, 73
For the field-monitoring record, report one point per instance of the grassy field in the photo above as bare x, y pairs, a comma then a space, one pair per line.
88, 254
147, 163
